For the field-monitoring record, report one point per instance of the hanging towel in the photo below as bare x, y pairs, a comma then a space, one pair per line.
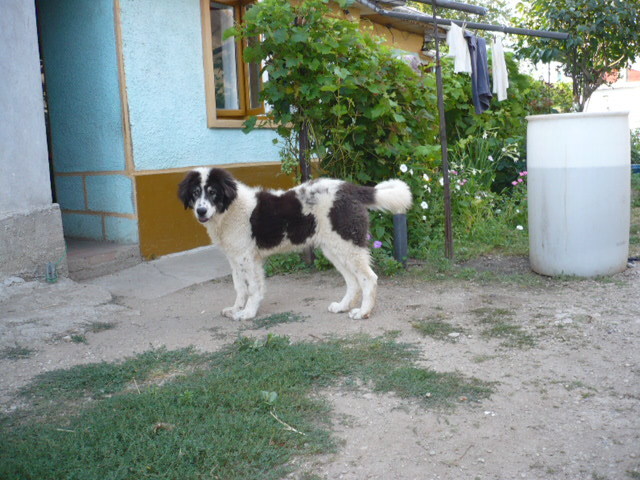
500, 72
458, 49
480, 82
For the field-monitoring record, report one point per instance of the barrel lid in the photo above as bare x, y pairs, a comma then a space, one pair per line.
569, 116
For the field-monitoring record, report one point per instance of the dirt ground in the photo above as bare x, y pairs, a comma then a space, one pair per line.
567, 407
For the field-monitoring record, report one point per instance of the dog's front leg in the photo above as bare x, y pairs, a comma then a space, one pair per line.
251, 273
240, 286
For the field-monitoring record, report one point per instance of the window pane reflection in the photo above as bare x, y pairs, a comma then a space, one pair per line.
225, 66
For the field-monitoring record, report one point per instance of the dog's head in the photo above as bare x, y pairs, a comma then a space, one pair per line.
207, 191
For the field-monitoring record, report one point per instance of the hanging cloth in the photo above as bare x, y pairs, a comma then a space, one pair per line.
458, 49
500, 72
480, 81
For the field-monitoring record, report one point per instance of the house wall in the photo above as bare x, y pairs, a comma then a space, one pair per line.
163, 62
93, 184
161, 42
30, 225
621, 97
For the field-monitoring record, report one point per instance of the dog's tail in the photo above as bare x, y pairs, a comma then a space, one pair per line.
392, 195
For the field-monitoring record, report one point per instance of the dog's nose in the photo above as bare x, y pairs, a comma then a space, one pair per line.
201, 211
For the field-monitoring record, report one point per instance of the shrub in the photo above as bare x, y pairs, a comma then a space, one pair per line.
635, 146
365, 109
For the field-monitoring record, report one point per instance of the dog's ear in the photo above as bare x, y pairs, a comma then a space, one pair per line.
229, 188
186, 187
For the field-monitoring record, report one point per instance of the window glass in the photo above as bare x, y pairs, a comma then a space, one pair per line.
225, 58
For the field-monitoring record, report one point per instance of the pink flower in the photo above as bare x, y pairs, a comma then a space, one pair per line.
514, 183
377, 244
524, 174
520, 180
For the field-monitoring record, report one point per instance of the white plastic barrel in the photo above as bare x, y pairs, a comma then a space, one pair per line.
579, 193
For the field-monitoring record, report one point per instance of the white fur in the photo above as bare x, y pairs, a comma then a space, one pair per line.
231, 231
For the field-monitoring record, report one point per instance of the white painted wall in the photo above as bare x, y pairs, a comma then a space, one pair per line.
30, 224
621, 96
24, 168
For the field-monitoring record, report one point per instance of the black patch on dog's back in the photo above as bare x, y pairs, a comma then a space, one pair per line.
278, 215
349, 216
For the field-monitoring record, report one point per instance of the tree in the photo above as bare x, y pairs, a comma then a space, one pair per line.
604, 37
366, 111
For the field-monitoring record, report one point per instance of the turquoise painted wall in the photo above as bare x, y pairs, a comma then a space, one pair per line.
162, 45
79, 50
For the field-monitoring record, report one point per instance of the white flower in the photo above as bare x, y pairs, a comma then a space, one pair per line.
427, 188
424, 217
485, 135
426, 177
411, 171
490, 158
441, 181
403, 168
517, 210
424, 205
498, 211
519, 227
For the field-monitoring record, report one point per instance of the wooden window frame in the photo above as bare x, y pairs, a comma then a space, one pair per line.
231, 118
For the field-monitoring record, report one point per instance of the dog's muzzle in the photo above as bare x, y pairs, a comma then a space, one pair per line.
202, 214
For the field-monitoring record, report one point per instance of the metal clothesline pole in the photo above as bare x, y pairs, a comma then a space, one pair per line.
419, 17
448, 222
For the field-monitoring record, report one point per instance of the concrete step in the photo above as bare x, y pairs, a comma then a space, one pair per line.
88, 259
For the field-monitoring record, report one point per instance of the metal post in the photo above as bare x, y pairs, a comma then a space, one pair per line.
305, 169
305, 172
400, 243
448, 229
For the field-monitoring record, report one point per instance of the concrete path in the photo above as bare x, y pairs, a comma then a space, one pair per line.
166, 275
36, 311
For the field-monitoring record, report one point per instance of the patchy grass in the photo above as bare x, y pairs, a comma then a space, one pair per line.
16, 353
78, 338
436, 328
284, 263
97, 327
100, 380
241, 413
277, 319
634, 238
634, 474
496, 322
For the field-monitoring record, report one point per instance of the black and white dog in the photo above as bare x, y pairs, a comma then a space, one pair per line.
249, 224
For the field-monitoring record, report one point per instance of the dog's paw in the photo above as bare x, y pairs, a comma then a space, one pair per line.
229, 312
337, 307
357, 314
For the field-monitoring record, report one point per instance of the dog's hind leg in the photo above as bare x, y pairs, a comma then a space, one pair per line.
251, 274
367, 280
240, 286
352, 283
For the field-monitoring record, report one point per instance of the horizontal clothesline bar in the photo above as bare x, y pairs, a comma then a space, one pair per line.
502, 28
427, 19
463, 7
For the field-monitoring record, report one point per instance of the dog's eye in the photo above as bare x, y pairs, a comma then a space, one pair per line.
197, 191
210, 191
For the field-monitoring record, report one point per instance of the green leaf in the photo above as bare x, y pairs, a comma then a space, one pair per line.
378, 110
249, 124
